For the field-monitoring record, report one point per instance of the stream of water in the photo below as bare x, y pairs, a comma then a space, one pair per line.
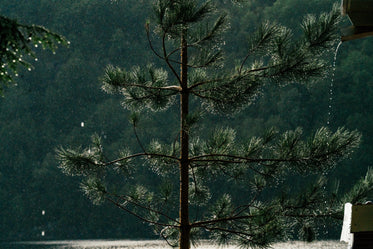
331, 87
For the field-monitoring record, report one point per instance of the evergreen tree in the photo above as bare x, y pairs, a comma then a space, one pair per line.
16, 44
187, 34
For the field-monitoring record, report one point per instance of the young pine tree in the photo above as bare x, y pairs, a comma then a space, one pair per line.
186, 37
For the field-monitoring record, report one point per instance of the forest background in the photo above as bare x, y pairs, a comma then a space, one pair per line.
50, 104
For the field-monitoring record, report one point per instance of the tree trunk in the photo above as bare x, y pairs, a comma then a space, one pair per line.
184, 239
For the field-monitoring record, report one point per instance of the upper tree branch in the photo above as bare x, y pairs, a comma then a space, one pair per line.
242, 76
165, 57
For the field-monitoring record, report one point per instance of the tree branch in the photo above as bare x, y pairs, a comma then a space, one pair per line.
138, 139
129, 199
230, 218
151, 44
243, 235
140, 155
167, 59
243, 208
241, 159
137, 215
226, 78
166, 239
172, 88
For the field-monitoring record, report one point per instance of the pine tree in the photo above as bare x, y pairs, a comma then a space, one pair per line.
16, 46
186, 36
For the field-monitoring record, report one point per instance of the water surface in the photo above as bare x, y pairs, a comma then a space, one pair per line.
153, 244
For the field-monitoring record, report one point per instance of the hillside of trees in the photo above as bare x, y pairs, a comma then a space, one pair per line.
60, 103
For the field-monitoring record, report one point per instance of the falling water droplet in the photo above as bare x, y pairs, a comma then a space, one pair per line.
42, 233
82, 124
331, 87
43, 212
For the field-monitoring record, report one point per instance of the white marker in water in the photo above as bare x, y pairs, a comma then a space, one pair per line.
82, 124
42, 233
43, 212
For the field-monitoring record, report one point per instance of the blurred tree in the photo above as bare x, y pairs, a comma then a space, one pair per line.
189, 37
16, 45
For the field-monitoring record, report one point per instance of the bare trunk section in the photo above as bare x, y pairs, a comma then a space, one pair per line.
184, 240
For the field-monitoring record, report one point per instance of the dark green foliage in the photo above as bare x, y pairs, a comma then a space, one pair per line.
362, 189
94, 189
320, 31
171, 15
274, 56
307, 233
85, 162
142, 87
16, 46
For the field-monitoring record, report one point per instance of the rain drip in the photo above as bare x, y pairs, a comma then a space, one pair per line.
329, 118
331, 87
324, 227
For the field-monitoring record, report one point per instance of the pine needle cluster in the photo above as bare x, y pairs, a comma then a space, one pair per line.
17, 44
